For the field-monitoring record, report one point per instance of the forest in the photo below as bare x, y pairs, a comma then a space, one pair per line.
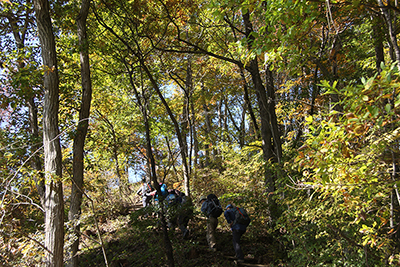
287, 108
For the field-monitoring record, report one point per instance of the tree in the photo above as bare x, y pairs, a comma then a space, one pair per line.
81, 131
54, 203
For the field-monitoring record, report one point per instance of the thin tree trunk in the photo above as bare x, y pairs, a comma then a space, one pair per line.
81, 131
153, 174
269, 125
115, 147
276, 135
36, 144
391, 31
193, 132
207, 121
185, 125
263, 103
54, 205
248, 103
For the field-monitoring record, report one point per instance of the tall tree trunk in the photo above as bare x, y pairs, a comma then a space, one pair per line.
263, 104
54, 205
276, 135
391, 31
81, 131
153, 174
272, 146
378, 37
186, 122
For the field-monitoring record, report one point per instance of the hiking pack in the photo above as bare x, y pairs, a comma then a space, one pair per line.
149, 188
164, 189
241, 217
215, 210
171, 199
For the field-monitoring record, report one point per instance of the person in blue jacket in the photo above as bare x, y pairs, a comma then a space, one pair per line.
237, 231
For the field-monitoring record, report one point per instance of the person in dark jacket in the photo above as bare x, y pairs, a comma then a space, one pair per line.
237, 231
212, 223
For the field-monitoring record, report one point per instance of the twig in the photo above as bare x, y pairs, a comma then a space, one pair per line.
37, 242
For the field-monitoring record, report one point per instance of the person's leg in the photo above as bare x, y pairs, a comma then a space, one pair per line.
236, 235
182, 223
148, 198
213, 223
208, 233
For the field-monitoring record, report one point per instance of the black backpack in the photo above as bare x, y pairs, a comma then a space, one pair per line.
241, 217
215, 210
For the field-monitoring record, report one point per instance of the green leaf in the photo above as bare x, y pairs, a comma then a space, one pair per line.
397, 103
363, 80
388, 108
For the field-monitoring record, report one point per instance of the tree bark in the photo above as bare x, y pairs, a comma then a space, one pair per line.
391, 31
193, 132
378, 37
81, 131
186, 123
248, 103
207, 122
263, 104
36, 160
54, 205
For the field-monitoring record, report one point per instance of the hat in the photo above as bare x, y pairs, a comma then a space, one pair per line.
229, 206
202, 198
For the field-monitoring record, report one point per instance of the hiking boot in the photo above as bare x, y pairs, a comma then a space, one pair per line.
238, 262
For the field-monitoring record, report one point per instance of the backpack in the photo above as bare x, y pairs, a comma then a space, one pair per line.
149, 188
215, 210
164, 190
241, 217
171, 199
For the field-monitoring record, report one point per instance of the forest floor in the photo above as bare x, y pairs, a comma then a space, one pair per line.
136, 240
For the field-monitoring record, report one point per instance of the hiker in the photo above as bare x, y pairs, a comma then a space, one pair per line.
212, 209
238, 229
179, 211
171, 205
145, 191
164, 192
177, 193
185, 213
